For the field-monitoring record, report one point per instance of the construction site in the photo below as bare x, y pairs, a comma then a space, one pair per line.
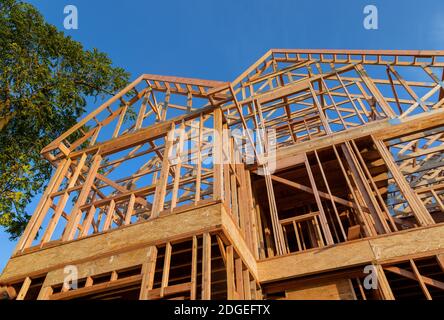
152, 198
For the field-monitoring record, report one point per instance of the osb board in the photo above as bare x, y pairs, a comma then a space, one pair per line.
413, 242
402, 245
332, 290
102, 265
123, 239
313, 261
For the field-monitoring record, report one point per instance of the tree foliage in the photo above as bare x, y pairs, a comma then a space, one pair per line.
45, 79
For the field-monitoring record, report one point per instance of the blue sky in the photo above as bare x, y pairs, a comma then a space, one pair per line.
218, 40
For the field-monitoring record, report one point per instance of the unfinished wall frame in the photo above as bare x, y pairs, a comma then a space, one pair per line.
356, 167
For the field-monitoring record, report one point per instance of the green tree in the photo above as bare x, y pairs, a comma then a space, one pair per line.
45, 79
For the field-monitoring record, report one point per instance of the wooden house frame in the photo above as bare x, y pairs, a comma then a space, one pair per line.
150, 199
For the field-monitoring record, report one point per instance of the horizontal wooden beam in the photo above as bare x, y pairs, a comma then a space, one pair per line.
411, 275
182, 80
416, 53
385, 249
382, 129
169, 290
139, 235
98, 288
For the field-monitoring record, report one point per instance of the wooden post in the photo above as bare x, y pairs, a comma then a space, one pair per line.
63, 200
383, 284
130, 209
36, 220
440, 259
109, 215
418, 209
24, 289
238, 266
230, 273
375, 91
330, 194
166, 269
197, 196
178, 168
206, 267
379, 224
246, 285
323, 219
363, 217
159, 196
45, 293
254, 233
218, 158
194, 269
148, 271
75, 216
87, 221
277, 228
420, 280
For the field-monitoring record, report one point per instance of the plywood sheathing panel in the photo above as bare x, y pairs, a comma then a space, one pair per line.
332, 290
382, 249
101, 266
122, 239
